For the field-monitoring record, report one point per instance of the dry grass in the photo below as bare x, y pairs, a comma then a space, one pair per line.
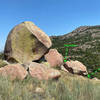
68, 87
2, 63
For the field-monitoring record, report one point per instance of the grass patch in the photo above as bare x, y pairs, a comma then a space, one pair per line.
68, 87
2, 63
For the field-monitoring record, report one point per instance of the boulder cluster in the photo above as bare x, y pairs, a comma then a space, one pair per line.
28, 52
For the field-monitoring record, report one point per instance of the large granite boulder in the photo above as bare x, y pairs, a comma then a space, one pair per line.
42, 72
14, 71
54, 58
76, 67
26, 42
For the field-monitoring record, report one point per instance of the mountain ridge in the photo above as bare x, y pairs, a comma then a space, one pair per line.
78, 29
88, 40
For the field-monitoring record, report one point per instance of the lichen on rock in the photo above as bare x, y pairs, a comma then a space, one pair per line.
26, 42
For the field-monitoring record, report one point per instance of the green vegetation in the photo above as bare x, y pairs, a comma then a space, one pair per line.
68, 87
88, 50
1, 55
71, 45
2, 63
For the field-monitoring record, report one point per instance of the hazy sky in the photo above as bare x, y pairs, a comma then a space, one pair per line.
55, 17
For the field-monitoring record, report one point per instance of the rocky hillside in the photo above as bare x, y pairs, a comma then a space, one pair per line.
31, 70
88, 50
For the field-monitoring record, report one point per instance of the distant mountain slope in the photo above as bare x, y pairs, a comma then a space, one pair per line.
88, 40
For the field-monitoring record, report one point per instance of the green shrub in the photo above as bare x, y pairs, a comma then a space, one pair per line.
1, 55
2, 63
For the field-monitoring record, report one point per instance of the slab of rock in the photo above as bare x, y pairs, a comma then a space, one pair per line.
54, 58
14, 71
42, 72
26, 42
76, 67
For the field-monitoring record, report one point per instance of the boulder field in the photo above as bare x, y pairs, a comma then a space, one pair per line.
26, 44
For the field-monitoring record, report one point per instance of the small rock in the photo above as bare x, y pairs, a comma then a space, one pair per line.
39, 90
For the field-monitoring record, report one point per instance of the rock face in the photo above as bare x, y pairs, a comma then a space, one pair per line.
14, 71
54, 58
42, 72
75, 67
26, 42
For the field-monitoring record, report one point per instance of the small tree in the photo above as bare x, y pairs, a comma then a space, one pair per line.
1, 55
